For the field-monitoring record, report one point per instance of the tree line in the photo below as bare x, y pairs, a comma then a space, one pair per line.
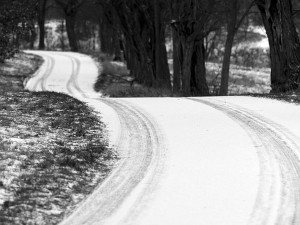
137, 31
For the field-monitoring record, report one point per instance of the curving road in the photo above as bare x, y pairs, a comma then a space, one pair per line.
210, 161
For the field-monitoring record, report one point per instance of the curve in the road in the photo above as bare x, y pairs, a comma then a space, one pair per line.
142, 149
42, 81
73, 82
43, 75
278, 196
136, 175
74, 74
142, 157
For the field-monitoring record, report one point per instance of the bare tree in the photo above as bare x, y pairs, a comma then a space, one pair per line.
143, 29
190, 21
233, 25
277, 16
162, 73
70, 8
109, 32
41, 22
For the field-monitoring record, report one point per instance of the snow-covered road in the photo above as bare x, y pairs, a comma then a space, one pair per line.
210, 161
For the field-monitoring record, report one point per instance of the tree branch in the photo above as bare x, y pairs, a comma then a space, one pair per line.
239, 23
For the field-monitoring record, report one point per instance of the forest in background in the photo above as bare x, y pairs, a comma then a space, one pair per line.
149, 35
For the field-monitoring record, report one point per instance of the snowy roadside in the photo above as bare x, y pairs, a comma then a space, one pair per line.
53, 149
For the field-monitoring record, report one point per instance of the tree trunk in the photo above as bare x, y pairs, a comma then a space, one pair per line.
142, 70
193, 68
117, 39
104, 38
188, 50
32, 38
138, 32
162, 73
284, 44
138, 61
177, 62
198, 75
116, 47
231, 29
110, 35
32, 34
41, 22
70, 27
62, 31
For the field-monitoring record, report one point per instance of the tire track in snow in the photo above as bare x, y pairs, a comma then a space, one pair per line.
136, 175
126, 191
73, 82
278, 197
42, 81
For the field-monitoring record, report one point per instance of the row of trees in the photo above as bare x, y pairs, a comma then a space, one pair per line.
143, 24
138, 29
16, 22
19, 17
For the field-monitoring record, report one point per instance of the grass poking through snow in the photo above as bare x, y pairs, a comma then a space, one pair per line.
53, 152
115, 81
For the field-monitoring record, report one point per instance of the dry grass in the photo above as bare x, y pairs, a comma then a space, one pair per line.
114, 80
20, 65
117, 90
15, 70
242, 80
116, 68
53, 153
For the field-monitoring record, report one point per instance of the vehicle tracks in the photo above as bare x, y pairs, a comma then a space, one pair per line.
278, 196
136, 175
44, 75
73, 82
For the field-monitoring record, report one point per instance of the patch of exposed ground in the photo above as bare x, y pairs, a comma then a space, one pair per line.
15, 70
53, 151
115, 80
242, 80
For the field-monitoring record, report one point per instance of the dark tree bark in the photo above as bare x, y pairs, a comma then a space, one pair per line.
105, 31
198, 76
232, 28
187, 67
41, 22
62, 31
32, 35
162, 73
284, 44
70, 8
110, 36
145, 45
103, 37
190, 19
194, 71
70, 28
177, 62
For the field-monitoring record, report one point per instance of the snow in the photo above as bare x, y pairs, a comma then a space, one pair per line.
212, 171
264, 42
211, 174
284, 114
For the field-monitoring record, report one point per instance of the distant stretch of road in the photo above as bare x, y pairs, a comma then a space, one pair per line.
186, 161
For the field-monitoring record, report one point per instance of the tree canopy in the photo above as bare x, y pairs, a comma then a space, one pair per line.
16, 21
138, 31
